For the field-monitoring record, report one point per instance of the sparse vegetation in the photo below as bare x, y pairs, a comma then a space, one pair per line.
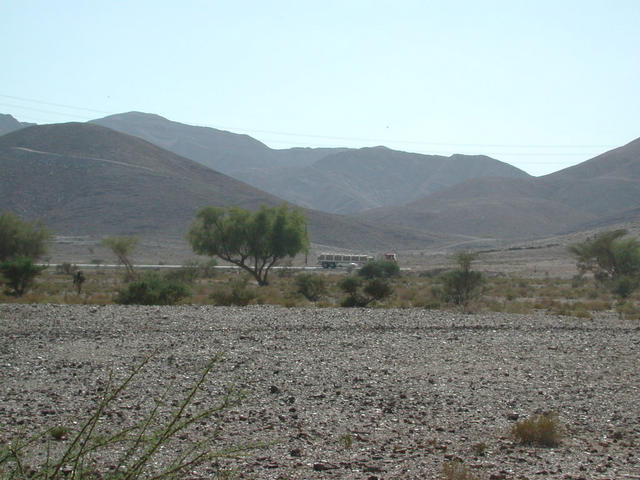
19, 274
145, 450
311, 286
237, 292
122, 248
19, 238
541, 430
462, 285
379, 269
456, 470
613, 260
152, 289
359, 295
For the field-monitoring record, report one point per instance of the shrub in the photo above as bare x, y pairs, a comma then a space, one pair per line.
152, 289
541, 430
236, 294
375, 289
379, 269
312, 287
188, 273
456, 470
19, 274
19, 238
462, 285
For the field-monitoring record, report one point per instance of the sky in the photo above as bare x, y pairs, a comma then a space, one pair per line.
541, 85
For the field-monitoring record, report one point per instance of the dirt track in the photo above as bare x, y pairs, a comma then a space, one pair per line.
341, 393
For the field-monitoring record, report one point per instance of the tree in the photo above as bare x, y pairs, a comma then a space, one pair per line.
19, 273
21, 238
463, 284
122, 247
613, 260
254, 241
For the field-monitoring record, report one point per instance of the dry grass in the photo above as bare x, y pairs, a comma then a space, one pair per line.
456, 470
559, 296
539, 430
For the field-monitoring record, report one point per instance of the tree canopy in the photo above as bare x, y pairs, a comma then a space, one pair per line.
254, 241
612, 259
122, 247
22, 238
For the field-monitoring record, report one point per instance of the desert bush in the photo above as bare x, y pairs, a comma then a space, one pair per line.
19, 273
463, 284
540, 430
379, 269
66, 268
613, 260
192, 270
311, 286
375, 289
19, 238
145, 450
237, 293
152, 289
456, 470
122, 248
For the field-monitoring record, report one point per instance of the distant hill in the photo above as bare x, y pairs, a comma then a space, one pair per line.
335, 180
601, 191
357, 180
85, 179
10, 124
220, 150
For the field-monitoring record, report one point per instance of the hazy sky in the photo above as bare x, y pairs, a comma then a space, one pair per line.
538, 84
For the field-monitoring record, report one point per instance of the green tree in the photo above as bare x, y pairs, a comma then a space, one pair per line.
122, 248
252, 241
613, 260
19, 273
21, 238
463, 284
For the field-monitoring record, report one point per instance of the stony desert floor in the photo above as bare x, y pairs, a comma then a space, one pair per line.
337, 393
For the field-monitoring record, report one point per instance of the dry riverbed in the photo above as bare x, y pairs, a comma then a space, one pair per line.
337, 393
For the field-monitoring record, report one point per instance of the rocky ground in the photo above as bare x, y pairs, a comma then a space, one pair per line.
335, 393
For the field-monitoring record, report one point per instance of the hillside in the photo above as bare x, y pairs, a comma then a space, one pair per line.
602, 191
329, 179
9, 124
357, 180
84, 179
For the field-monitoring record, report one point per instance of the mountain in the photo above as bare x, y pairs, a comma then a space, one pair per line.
220, 150
335, 180
602, 191
85, 179
10, 124
356, 180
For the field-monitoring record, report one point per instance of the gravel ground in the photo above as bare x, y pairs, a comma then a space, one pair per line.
338, 393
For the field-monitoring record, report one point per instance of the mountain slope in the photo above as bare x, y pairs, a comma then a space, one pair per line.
85, 179
600, 191
332, 180
9, 124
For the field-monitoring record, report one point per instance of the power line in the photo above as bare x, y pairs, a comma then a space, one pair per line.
324, 137
54, 104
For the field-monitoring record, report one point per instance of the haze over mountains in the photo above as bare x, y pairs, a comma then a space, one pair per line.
336, 180
85, 179
90, 179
